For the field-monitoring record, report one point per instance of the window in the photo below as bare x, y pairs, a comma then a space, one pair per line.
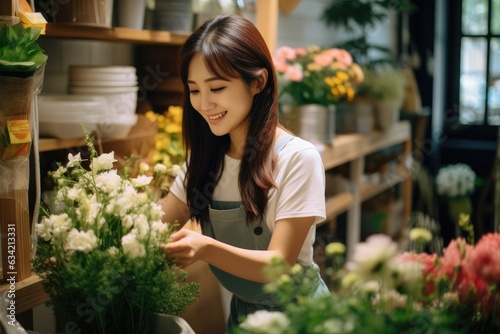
474, 55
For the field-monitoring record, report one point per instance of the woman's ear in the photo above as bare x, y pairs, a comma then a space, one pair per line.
260, 82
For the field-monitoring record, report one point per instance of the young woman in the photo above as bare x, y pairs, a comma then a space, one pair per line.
255, 190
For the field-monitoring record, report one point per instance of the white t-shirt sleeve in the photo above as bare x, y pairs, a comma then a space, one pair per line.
301, 192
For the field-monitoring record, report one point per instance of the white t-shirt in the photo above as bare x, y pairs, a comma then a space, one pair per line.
300, 192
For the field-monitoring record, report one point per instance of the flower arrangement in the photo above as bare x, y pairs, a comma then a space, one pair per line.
316, 75
99, 249
382, 290
456, 180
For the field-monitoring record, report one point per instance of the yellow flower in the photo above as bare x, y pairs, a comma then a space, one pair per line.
334, 248
421, 235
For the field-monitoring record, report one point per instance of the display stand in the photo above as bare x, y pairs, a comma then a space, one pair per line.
18, 92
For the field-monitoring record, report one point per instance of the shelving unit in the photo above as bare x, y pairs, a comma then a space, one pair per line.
353, 149
29, 292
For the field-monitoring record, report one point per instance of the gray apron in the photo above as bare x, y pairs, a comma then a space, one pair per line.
227, 223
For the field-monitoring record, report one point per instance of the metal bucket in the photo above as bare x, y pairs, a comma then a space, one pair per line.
313, 122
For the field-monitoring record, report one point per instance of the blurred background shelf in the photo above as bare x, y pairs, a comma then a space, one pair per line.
117, 34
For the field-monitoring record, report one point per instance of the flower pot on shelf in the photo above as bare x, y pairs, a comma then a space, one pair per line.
312, 122
387, 114
355, 117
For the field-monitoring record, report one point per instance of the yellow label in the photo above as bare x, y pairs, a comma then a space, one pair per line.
19, 129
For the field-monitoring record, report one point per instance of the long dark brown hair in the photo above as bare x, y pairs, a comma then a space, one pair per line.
231, 47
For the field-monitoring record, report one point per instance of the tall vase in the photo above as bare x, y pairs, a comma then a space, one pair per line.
312, 122
457, 206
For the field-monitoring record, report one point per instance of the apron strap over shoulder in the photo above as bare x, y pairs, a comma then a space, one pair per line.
282, 141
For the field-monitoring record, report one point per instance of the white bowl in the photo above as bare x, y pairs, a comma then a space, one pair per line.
121, 100
117, 127
102, 73
102, 69
101, 90
62, 116
102, 83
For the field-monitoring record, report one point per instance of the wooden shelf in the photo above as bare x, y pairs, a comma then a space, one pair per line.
141, 129
337, 204
349, 147
371, 189
29, 293
115, 34
353, 149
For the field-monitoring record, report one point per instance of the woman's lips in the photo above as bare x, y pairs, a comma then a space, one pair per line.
217, 117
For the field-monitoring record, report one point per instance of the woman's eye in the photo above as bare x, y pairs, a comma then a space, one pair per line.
216, 90
193, 92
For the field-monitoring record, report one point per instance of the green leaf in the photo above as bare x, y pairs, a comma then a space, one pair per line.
19, 49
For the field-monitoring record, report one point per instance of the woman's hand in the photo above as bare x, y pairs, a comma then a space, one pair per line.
185, 247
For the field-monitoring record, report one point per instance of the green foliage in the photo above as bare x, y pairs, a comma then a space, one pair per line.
99, 249
19, 49
360, 17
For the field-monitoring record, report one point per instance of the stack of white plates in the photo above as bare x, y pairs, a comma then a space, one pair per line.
64, 116
118, 85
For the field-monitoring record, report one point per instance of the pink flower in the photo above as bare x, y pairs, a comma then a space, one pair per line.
451, 261
300, 52
294, 73
340, 55
286, 52
323, 59
484, 259
429, 268
280, 64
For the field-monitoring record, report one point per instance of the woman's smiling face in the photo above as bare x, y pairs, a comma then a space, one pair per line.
224, 104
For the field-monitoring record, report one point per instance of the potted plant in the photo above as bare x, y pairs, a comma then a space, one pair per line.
360, 18
385, 87
100, 252
312, 81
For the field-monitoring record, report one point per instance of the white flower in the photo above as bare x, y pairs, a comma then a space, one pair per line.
158, 229
160, 168
143, 167
53, 226
409, 274
109, 182
103, 162
266, 322
127, 221
373, 258
75, 193
120, 205
73, 160
141, 226
59, 172
132, 247
455, 180
176, 169
141, 181
113, 250
83, 241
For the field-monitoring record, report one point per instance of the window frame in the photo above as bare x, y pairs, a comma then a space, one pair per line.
452, 127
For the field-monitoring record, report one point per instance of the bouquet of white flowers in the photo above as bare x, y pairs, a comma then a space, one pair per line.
456, 180
98, 249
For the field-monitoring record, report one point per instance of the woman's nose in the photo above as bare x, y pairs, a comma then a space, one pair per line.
206, 102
